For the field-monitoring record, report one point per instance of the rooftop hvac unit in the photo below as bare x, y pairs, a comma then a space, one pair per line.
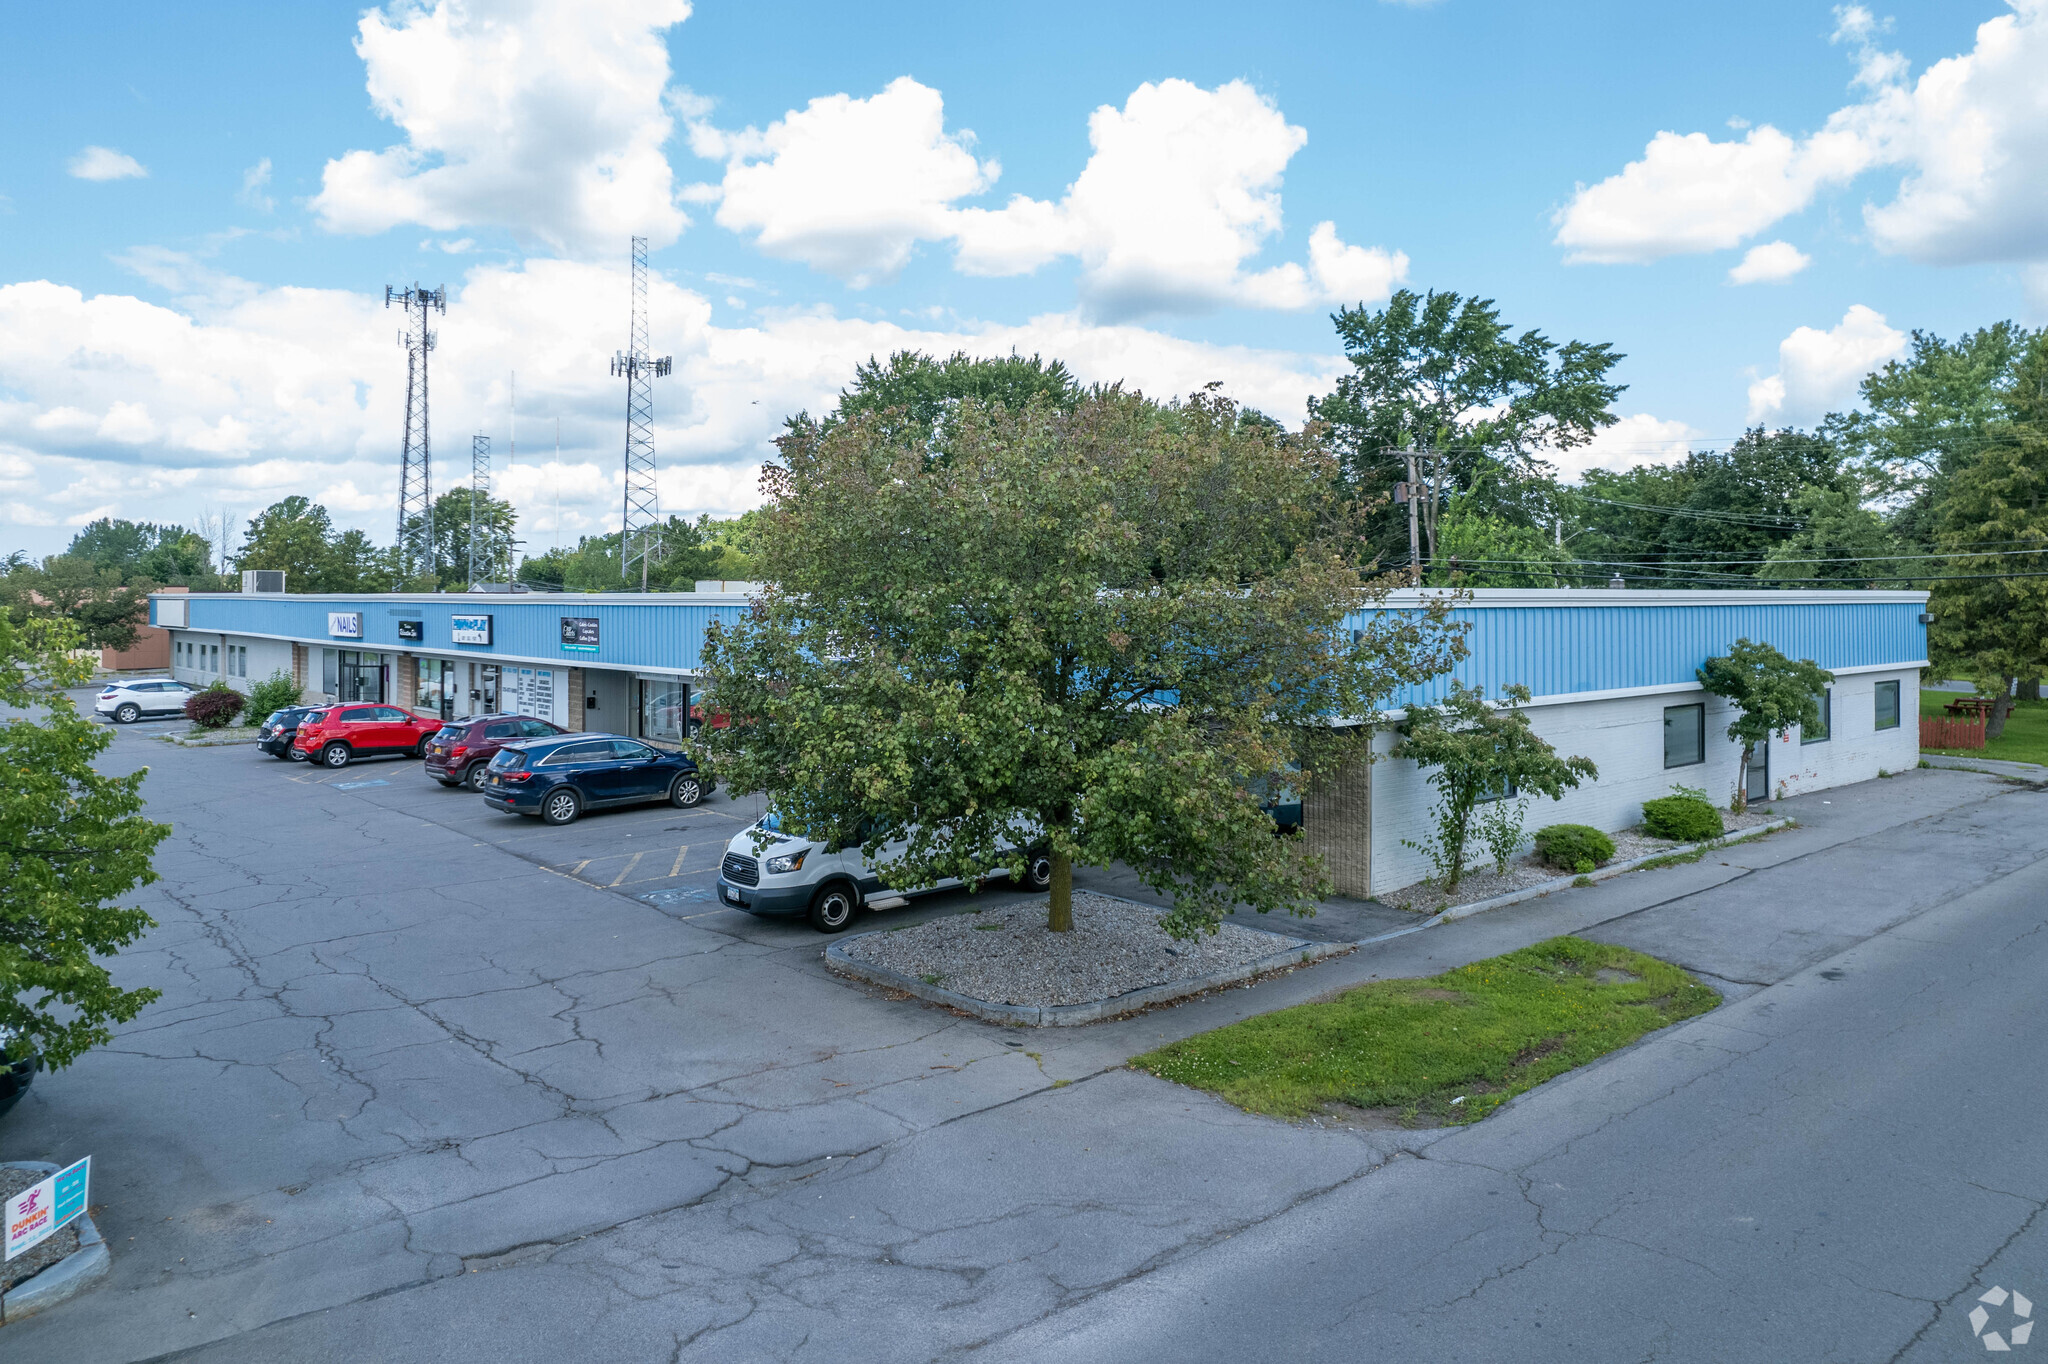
263, 580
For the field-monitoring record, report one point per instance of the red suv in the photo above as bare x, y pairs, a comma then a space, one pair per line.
462, 750
339, 734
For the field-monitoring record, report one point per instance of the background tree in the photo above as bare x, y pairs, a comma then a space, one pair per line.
496, 523
1117, 621
1442, 372
104, 608
71, 840
1480, 751
1990, 619
914, 394
1771, 693
143, 549
690, 551
1476, 548
296, 535
1841, 542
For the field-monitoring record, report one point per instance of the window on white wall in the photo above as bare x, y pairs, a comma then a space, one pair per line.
1685, 735
1888, 705
1821, 732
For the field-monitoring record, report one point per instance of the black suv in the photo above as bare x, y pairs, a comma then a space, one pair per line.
281, 728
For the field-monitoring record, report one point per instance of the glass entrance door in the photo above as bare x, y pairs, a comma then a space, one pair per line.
359, 676
439, 691
1759, 773
487, 682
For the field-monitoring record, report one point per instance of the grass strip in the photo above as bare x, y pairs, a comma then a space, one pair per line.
1446, 1049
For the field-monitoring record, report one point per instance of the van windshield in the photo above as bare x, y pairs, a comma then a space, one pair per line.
772, 822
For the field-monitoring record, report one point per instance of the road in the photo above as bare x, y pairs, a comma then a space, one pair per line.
428, 1083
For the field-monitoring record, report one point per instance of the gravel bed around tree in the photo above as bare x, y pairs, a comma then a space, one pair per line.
1006, 956
1483, 883
38, 1258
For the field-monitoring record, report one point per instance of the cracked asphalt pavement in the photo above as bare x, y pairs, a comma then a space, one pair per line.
430, 1083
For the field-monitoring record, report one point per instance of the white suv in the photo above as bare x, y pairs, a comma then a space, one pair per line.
790, 876
131, 698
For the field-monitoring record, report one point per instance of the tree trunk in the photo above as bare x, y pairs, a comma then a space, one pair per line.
1059, 910
1741, 801
2030, 689
1994, 723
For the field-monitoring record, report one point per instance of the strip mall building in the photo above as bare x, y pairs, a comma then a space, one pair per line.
1612, 674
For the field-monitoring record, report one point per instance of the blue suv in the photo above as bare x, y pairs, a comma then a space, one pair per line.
559, 778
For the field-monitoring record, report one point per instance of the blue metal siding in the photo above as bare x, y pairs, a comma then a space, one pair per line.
1553, 648
650, 636
1561, 650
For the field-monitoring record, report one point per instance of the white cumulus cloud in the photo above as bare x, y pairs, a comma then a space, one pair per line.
1632, 440
1769, 263
1180, 192
1818, 371
848, 186
104, 163
543, 117
1968, 138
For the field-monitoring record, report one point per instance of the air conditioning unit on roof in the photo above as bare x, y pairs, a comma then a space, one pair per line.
263, 580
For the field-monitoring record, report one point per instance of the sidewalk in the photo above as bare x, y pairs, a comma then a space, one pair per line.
2003, 767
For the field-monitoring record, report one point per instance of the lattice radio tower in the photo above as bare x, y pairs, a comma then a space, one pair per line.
415, 470
641, 522
479, 493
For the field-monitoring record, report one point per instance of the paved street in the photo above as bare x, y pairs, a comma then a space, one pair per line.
431, 1083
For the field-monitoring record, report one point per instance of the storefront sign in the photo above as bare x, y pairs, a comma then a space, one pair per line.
345, 624
579, 634
39, 1212
412, 629
470, 629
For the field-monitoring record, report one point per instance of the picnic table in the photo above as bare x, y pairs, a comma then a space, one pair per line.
1978, 707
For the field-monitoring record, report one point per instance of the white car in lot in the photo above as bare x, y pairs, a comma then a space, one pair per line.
776, 875
131, 698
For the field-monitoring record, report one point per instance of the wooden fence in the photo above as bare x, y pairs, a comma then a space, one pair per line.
1951, 733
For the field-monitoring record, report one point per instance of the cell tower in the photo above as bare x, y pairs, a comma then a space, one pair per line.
479, 491
415, 471
641, 522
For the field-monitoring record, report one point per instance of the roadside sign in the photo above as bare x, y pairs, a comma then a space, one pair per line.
39, 1212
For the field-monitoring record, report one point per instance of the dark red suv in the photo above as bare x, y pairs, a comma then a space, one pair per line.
458, 755
340, 734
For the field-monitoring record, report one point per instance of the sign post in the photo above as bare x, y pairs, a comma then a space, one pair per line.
41, 1211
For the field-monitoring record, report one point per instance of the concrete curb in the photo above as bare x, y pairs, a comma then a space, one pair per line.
222, 739
1296, 952
1543, 888
73, 1274
1996, 767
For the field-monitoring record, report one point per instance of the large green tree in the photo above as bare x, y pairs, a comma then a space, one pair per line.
296, 535
495, 523
1990, 614
1117, 621
1442, 373
143, 549
103, 605
915, 394
72, 839
1771, 693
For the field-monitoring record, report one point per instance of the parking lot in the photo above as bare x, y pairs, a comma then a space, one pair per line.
428, 1082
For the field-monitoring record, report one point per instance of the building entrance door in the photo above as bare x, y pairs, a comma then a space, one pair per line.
359, 676
1759, 773
487, 683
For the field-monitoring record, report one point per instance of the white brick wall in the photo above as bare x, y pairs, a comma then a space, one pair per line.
1625, 737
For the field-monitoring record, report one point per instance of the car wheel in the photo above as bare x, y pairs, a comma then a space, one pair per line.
127, 713
832, 907
1038, 870
297, 755
685, 791
419, 750
560, 806
335, 755
473, 776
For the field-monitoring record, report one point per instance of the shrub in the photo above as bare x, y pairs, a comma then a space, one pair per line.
274, 692
1686, 818
216, 707
1573, 847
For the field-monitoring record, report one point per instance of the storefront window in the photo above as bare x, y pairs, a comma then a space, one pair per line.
439, 693
665, 711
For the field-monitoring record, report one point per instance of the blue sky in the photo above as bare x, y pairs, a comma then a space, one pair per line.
203, 205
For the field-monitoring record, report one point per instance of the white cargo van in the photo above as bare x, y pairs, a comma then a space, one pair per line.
788, 876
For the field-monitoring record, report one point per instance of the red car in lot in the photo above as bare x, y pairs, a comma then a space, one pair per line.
339, 735
463, 748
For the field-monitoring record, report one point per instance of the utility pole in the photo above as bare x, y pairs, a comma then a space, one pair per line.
1414, 526
415, 465
479, 491
640, 522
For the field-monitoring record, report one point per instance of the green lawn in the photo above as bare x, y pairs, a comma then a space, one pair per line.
2026, 730
1448, 1049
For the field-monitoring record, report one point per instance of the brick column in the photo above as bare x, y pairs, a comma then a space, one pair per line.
575, 699
405, 682
299, 667
1336, 819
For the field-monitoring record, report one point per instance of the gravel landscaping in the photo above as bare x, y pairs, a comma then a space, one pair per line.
38, 1258
1006, 956
1526, 871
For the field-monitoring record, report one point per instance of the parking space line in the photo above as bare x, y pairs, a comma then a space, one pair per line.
625, 870
677, 869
